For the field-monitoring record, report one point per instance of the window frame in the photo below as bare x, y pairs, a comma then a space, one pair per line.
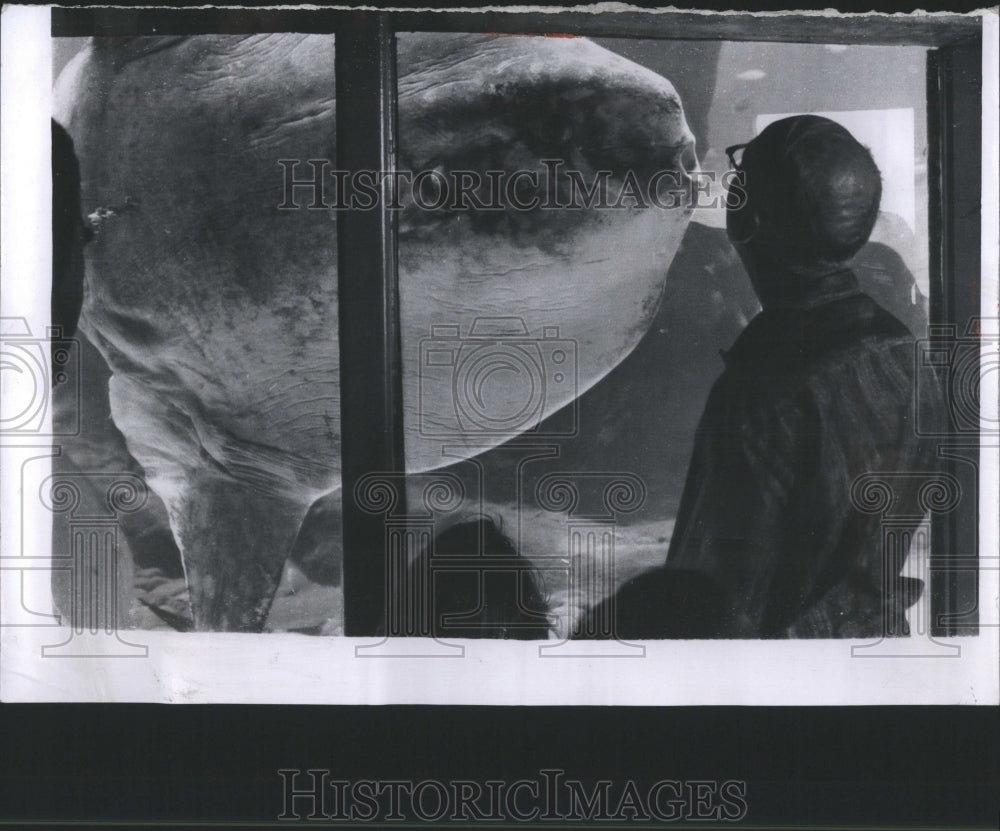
371, 364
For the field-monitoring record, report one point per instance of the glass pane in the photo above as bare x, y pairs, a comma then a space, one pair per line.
204, 374
558, 352
848, 84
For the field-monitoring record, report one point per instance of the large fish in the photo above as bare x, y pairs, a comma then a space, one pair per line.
216, 310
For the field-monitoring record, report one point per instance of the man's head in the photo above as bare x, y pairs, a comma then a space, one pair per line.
69, 234
504, 598
813, 195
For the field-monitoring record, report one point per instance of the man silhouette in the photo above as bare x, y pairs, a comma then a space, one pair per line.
817, 390
503, 598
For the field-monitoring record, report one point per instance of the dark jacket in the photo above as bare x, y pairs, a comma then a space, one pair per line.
767, 541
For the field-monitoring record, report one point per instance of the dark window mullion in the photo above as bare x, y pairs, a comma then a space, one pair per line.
954, 103
370, 361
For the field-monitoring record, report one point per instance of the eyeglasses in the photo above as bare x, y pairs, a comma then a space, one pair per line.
735, 154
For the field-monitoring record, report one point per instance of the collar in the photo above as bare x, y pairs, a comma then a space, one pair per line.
831, 312
809, 292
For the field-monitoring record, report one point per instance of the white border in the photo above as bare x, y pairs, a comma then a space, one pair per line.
302, 669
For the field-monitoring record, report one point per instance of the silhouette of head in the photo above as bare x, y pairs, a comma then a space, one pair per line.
501, 598
812, 197
69, 234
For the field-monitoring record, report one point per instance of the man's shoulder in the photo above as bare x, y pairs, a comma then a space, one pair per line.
790, 368
787, 341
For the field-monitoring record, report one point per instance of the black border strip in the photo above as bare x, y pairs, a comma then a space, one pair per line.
929, 31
